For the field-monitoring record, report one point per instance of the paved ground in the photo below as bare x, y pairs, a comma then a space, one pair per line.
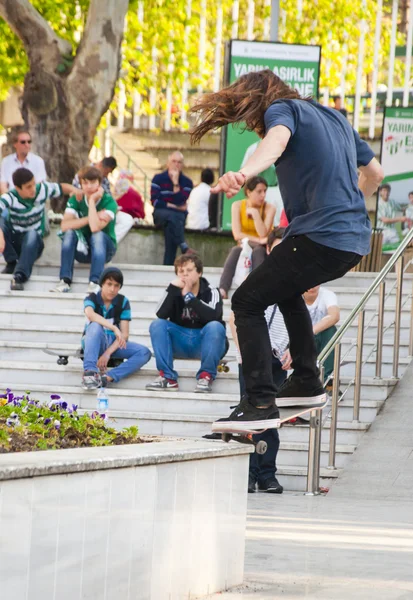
355, 543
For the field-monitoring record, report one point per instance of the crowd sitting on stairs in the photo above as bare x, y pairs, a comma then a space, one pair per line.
190, 323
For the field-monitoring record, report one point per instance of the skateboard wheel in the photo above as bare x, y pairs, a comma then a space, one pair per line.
226, 369
62, 360
220, 368
261, 447
226, 437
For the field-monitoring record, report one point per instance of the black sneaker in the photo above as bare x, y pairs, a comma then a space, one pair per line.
9, 268
252, 485
16, 284
271, 485
246, 418
297, 392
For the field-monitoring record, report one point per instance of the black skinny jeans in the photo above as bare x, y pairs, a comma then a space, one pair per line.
293, 267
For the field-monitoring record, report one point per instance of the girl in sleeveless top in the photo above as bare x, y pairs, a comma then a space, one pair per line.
251, 218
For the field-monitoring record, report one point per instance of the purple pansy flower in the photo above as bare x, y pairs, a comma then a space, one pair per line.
56, 423
46, 421
54, 397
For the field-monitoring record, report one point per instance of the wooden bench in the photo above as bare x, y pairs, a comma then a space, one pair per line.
373, 261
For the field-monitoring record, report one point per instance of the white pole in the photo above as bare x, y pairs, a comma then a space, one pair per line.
184, 93
121, 105
235, 17
202, 41
152, 91
343, 74
250, 20
137, 99
377, 34
359, 76
408, 64
389, 98
168, 109
107, 148
267, 21
136, 109
275, 18
218, 46
326, 92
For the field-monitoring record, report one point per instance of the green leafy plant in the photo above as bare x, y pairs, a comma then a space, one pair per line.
27, 424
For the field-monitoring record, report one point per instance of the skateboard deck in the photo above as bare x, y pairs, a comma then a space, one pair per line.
293, 414
64, 355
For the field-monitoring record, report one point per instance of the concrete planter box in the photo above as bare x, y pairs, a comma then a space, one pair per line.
144, 522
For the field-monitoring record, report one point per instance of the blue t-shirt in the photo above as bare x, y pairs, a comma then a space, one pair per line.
317, 175
109, 313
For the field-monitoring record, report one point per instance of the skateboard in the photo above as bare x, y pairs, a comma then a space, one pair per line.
64, 355
292, 414
223, 365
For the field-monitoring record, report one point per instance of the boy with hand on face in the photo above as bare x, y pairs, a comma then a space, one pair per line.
88, 228
23, 223
106, 335
189, 325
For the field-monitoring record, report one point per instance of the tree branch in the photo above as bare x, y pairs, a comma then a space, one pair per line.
96, 67
42, 45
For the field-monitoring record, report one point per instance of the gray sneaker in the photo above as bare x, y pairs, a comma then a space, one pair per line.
163, 384
93, 288
91, 380
204, 383
62, 286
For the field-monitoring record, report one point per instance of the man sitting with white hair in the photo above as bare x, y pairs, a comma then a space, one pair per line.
169, 194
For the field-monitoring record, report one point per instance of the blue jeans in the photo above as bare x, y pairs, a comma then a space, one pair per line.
21, 247
95, 343
101, 250
173, 224
171, 341
264, 466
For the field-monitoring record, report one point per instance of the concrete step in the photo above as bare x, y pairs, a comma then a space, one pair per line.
164, 274
134, 395
140, 288
168, 422
293, 454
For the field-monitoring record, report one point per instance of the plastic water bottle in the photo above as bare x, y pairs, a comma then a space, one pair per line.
103, 401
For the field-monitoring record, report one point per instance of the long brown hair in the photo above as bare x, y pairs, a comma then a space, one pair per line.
246, 100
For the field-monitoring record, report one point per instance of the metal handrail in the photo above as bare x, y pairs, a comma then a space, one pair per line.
397, 260
326, 351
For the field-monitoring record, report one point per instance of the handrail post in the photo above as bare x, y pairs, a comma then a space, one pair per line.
380, 322
411, 326
398, 314
314, 444
359, 365
334, 408
314, 448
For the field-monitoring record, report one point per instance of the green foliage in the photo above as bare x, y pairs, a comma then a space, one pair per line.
166, 26
26, 424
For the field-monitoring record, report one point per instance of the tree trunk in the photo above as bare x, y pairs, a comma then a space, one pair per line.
64, 96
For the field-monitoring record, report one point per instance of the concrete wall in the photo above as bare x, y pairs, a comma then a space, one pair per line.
146, 246
168, 524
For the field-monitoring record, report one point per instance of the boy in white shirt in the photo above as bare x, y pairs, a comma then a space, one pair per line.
324, 311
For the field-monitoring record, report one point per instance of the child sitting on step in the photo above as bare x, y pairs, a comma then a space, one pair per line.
107, 332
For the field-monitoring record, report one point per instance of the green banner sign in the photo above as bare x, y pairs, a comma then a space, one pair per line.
396, 200
297, 65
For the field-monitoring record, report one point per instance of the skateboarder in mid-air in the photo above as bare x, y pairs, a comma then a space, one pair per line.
316, 153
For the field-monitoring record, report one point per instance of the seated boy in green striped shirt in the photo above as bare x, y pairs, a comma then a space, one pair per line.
23, 223
88, 228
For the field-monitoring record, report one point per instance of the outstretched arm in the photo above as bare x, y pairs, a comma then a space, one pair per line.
266, 154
